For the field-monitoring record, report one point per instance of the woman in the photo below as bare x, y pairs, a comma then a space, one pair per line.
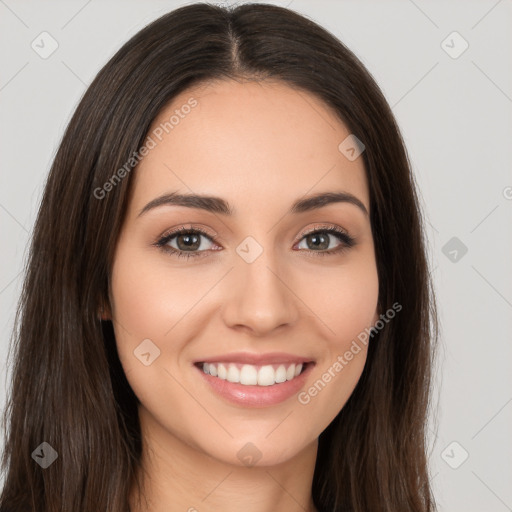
227, 303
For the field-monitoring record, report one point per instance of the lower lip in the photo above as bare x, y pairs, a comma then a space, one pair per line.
257, 396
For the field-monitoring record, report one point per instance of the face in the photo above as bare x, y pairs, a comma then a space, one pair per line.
256, 284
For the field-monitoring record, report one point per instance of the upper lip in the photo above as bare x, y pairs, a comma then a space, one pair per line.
256, 359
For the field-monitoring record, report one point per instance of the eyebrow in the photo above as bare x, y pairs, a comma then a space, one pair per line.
218, 205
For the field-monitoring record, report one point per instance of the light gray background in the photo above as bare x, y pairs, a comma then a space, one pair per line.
455, 114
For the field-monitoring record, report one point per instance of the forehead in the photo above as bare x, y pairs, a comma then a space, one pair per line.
254, 143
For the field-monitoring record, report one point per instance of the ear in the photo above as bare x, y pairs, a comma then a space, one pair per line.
104, 312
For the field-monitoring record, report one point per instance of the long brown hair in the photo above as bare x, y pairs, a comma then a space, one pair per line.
68, 387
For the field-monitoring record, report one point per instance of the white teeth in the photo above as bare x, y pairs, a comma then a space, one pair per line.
250, 375
222, 373
233, 373
266, 376
281, 374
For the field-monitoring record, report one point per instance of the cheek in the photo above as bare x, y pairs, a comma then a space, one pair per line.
146, 303
152, 301
346, 300
345, 303
141, 309
148, 299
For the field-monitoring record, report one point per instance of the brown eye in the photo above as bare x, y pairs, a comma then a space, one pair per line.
318, 241
188, 242
185, 242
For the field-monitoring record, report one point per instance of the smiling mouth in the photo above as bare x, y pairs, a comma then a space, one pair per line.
253, 375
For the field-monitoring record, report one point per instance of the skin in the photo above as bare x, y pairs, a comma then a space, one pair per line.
260, 146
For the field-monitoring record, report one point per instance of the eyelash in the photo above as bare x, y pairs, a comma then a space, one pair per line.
347, 241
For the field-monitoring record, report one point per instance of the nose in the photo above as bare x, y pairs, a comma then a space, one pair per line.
259, 296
